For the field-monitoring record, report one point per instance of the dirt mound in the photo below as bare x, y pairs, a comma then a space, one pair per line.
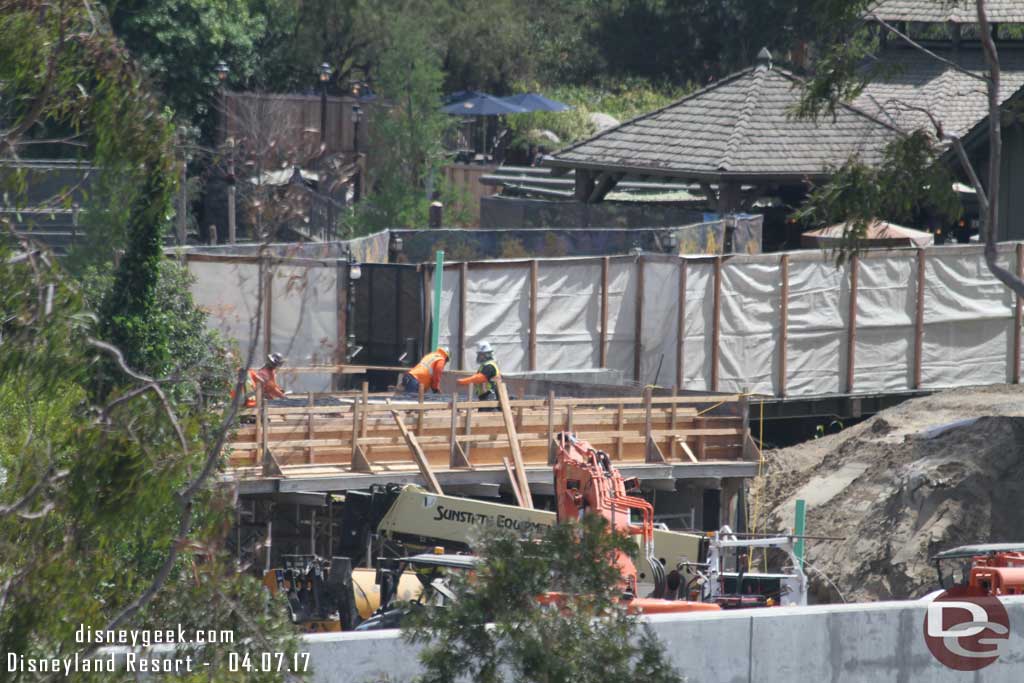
927, 475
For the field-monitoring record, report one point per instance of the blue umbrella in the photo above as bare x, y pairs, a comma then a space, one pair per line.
531, 101
481, 104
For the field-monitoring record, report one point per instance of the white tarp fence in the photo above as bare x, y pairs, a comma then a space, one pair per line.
966, 336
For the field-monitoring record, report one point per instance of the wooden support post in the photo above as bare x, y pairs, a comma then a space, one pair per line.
359, 461
745, 415
919, 319
851, 325
783, 322
533, 316
457, 458
1018, 318
420, 413
513, 441
653, 453
463, 279
309, 428
620, 420
569, 426
366, 401
716, 323
417, 453
638, 338
551, 428
260, 443
520, 501
469, 420
681, 329
603, 352
673, 424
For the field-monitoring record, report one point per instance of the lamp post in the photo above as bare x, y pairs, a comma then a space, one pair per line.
325, 78
222, 72
357, 189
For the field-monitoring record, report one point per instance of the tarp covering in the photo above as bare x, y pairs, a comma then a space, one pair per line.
967, 335
876, 234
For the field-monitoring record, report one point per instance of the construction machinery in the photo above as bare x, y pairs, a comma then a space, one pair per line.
740, 587
396, 520
586, 482
991, 569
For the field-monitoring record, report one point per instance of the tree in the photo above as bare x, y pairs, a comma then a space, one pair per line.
108, 512
497, 630
406, 130
841, 75
180, 42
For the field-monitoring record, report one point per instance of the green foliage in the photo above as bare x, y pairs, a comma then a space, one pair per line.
909, 183
99, 485
407, 132
497, 630
179, 42
623, 100
175, 335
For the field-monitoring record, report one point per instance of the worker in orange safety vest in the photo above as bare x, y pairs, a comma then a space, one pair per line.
265, 376
426, 373
487, 375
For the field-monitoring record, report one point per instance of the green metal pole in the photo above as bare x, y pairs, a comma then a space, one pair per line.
798, 529
435, 322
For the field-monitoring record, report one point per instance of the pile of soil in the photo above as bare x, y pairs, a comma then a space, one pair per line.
929, 474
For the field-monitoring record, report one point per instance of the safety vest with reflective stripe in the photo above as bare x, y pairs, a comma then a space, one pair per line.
491, 384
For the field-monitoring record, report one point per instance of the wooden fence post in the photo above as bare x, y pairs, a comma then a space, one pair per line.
851, 325
919, 319
783, 323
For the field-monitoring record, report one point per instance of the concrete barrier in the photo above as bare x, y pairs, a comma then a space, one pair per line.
839, 643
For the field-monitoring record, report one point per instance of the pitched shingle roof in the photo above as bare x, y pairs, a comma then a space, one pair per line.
740, 127
941, 11
911, 80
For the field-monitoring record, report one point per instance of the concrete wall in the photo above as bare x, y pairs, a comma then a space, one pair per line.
841, 643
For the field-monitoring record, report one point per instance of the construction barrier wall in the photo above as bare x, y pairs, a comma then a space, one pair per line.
776, 324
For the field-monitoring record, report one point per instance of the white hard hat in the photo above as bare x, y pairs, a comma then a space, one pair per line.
484, 347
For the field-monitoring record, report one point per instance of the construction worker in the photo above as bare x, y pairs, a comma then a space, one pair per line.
486, 375
426, 373
265, 376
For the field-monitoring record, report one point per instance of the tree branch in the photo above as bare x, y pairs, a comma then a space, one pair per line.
917, 46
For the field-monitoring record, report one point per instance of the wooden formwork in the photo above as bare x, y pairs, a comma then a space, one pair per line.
377, 433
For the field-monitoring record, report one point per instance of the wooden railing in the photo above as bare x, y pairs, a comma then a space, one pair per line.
381, 433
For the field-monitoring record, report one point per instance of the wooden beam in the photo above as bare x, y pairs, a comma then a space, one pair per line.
1018, 318
716, 315
681, 327
359, 462
851, 325
919, 319
603, 353
517, 454
456, 457
584, 185
672, 424
686, 449
463, 278
606, 182
638, 338
533, 316
552, 456
783, 322
654, 453
514, 484
417, 453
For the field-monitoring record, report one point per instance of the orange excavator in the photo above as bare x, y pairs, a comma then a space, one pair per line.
586, 482
980, 570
